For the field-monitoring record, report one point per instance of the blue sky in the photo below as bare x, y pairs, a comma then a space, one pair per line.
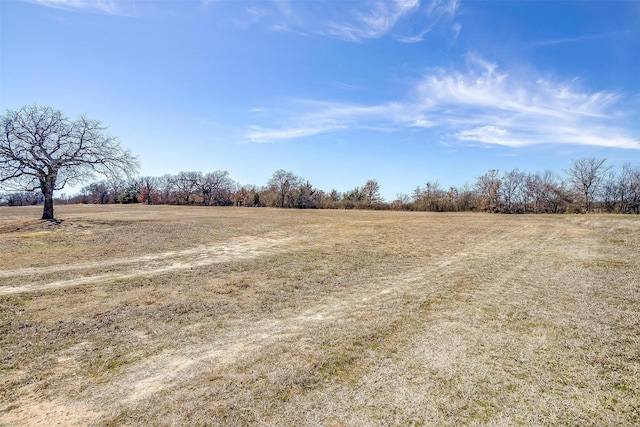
337, 92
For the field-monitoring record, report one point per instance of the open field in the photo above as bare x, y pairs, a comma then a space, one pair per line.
137, 315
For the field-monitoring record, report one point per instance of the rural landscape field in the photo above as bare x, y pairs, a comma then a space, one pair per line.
165, 315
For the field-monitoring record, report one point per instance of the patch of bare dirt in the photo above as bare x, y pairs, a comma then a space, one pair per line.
33, 411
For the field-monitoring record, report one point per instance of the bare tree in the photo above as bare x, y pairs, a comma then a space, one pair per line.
586, 175
634, 190
166, 189
283, 183
148, 189
331, 200
402, 200
545, 191
352, 199
40, 148
371, 192
217, 188
186, 184
511, 190
488, 187
628, 189
21, 198
97, 192
609, 192
465, 198
308, 197
435, 196
555, 195
452, 197
117, 184
206, 189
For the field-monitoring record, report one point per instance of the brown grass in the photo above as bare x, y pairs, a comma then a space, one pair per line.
136, 315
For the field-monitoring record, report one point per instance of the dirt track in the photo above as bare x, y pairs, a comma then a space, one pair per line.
364, 319
151, 264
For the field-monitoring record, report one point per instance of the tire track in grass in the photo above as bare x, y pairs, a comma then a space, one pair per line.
175, 260
172, 369
161, 371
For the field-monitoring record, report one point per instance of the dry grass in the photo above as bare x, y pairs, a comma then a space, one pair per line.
136, 315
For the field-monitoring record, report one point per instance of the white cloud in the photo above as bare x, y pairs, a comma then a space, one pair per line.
421, 122
373, 20
481, 104
262, 135
443, 7
407, 21
485, 105
416, 38
371, 23
108, 7
455, 29
580, 39
484, 133
326, 117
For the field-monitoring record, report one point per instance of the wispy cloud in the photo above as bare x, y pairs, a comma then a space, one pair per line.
485, 105
407, 21
577, 39
107, 7
485, 87
371, 20
479, 103
327, 117
263, 135
455, 29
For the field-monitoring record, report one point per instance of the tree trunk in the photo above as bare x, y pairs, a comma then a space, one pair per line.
47, 185
587, 204
48, 204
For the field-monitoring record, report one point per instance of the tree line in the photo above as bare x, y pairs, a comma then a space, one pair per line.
589, 185
42, 150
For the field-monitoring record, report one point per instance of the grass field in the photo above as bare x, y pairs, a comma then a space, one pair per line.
138, 315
